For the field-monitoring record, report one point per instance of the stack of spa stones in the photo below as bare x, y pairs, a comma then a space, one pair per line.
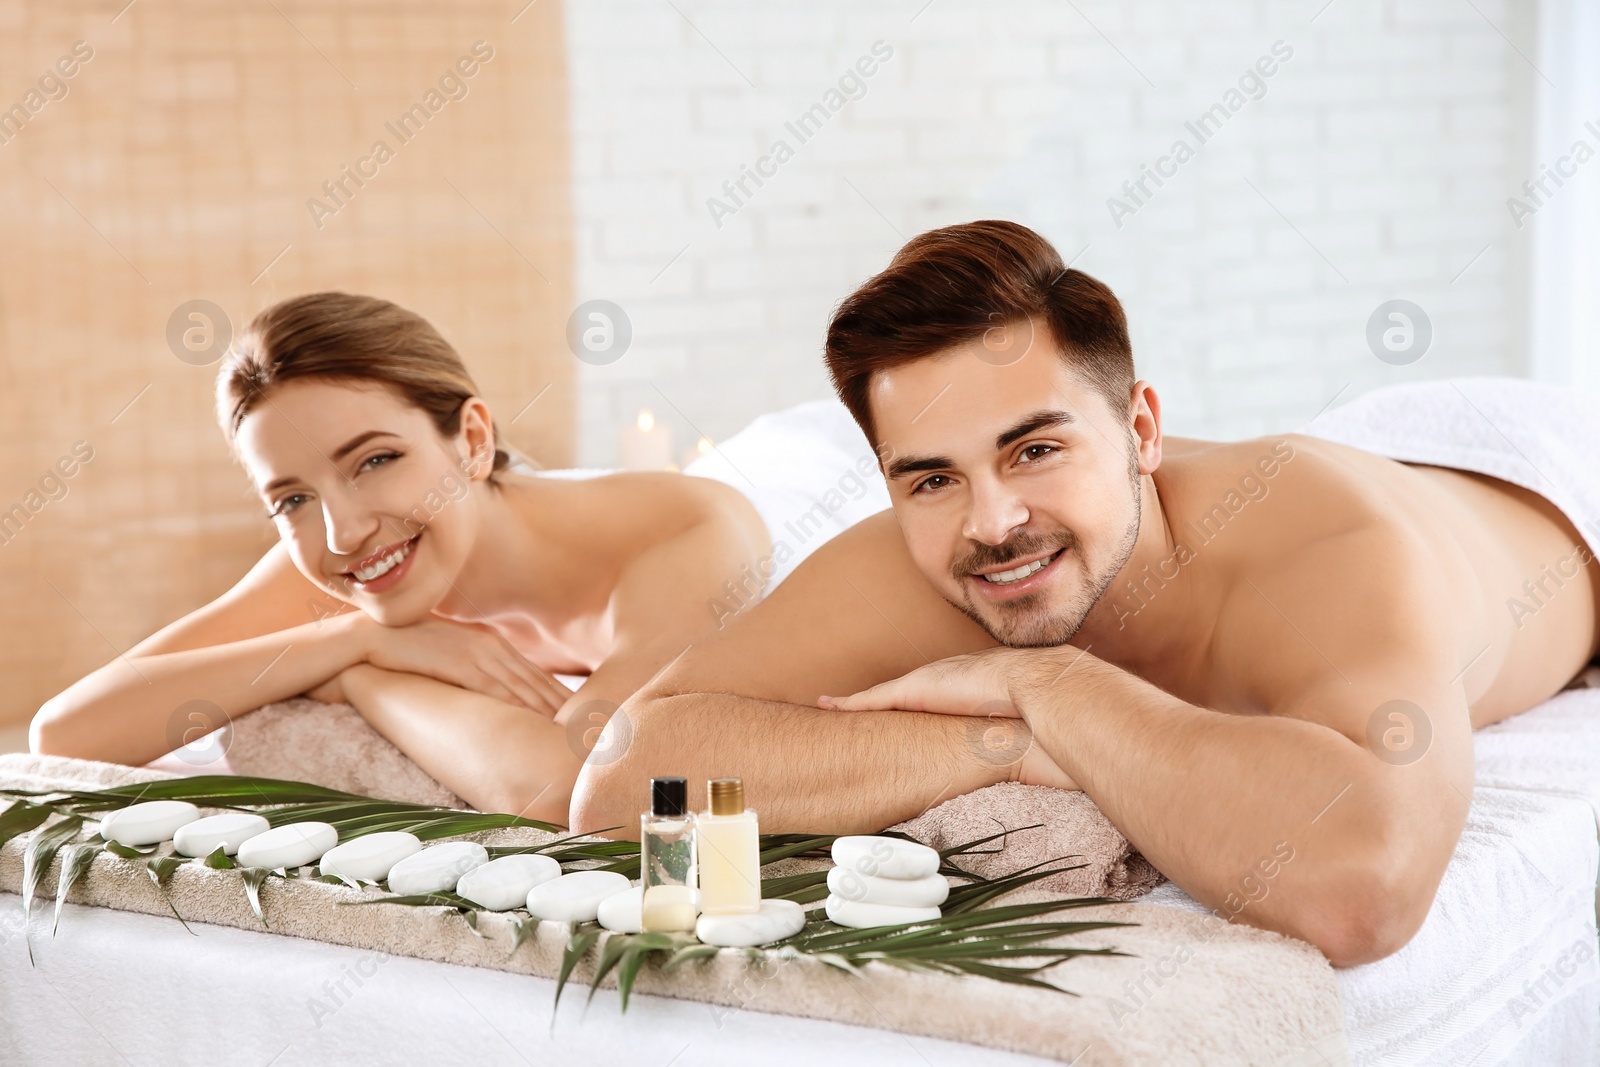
884, 881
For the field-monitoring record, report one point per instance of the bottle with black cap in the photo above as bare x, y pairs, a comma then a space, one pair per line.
667, 869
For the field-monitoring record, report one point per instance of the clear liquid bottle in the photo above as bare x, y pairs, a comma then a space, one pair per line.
667, 868
729, 849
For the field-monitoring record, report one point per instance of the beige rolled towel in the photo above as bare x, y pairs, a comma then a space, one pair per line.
331, 745
1072, 826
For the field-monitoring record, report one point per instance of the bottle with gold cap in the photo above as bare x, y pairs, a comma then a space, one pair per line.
729, 851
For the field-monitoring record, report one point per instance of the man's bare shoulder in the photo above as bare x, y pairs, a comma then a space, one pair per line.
1322, 570
855, 613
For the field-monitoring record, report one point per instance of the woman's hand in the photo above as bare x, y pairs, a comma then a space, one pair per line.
472, 656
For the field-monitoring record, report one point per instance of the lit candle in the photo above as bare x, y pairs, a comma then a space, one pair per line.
646, 445
701, 447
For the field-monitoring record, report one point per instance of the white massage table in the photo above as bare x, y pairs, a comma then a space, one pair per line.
1517, 901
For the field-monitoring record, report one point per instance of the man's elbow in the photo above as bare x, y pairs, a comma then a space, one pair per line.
1351, 940
604, 803
1372, 916
609, 793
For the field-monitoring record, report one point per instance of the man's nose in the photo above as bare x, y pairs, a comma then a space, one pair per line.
994, 513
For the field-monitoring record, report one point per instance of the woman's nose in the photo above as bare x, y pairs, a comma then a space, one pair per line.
347, 526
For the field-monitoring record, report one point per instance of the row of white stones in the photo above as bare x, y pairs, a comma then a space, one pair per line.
399, 859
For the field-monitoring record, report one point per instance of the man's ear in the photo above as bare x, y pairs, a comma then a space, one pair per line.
1144, 416
475, 440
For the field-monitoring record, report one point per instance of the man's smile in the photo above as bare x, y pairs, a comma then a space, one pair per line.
1010, 580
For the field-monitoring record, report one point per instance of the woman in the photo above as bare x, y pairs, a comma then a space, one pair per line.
415, 575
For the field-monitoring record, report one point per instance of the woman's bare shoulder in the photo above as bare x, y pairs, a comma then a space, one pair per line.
659, 503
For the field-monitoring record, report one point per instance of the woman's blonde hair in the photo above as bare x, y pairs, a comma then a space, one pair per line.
346, 337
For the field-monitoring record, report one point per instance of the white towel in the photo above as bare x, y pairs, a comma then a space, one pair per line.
1541, 437
807, 469
810, 473
1554, 748
1504, 969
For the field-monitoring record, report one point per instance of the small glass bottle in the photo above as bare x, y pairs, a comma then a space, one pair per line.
729, 848
667, 870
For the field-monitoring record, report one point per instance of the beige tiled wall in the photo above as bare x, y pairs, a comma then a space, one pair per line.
177, 166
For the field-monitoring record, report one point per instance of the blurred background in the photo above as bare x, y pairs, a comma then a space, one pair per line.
633, 218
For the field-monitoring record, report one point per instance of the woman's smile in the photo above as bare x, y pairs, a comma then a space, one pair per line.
385, 568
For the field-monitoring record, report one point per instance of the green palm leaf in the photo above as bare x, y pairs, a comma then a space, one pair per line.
36, 860
578, 943
160, 869
75, 862
128, 852
1008, 943
254, 879
21, 817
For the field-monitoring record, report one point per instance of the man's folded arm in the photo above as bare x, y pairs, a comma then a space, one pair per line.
1360, 771
804, 769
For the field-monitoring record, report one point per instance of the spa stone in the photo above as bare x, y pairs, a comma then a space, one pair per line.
149, 823
623, 913
854, 913
503, 884
885, 857
437, 868
293, 845
370, 857
929, 892
229, 830
575, 897
776, 920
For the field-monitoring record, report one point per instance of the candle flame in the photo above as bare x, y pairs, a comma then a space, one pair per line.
647, 420
704, 445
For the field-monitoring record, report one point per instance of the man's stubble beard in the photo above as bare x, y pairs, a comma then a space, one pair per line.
1052, 631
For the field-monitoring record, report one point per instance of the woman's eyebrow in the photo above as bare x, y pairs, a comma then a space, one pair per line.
357, 441
339, 453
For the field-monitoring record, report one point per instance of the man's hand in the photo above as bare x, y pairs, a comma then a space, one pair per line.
978, 684
974, 683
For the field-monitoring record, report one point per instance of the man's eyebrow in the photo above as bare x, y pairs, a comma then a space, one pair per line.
1039, 420
339, 453
913, 464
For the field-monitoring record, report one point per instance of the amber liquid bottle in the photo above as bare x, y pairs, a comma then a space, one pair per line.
729, 851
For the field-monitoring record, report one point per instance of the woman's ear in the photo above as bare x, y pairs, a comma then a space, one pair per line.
475, 441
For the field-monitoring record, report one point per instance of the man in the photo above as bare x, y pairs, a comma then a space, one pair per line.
1227, 646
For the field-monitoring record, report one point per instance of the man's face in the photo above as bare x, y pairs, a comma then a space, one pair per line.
1016, 486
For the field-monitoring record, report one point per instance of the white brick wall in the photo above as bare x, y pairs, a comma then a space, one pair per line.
1389, 143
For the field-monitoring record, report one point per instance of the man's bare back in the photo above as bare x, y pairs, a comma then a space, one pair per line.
1486, 537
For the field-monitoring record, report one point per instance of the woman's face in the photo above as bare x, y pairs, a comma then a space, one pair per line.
373, 504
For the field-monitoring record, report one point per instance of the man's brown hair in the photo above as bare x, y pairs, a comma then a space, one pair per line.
947, 287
